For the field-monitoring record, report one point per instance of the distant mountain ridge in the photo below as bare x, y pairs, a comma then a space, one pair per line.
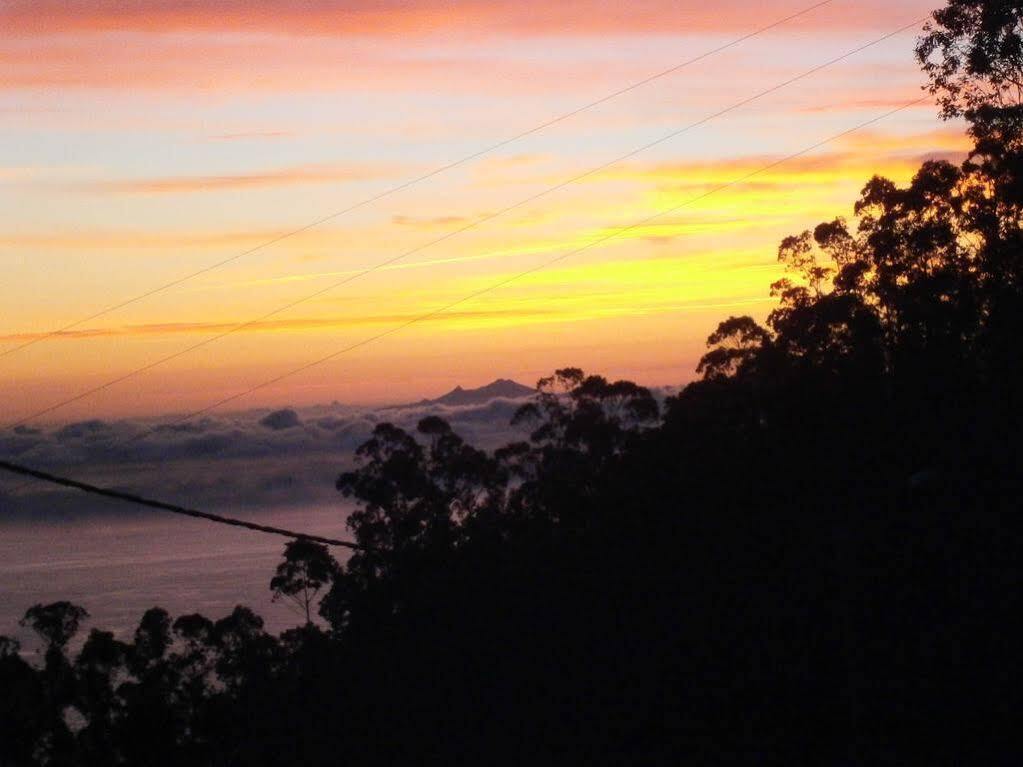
501, 388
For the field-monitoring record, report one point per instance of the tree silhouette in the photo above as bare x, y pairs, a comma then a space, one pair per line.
973, 54
152, 638
22, 706
9, 647
733, 346
307, 567
56, 623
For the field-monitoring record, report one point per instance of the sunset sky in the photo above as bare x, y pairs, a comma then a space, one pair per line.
142, 141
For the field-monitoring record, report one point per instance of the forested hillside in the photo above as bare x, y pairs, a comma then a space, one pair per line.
808, 556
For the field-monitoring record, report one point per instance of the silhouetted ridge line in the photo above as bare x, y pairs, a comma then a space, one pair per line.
25, 471
412, 182
501, 388
455, 232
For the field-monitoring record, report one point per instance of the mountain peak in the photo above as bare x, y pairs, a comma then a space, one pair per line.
500, 388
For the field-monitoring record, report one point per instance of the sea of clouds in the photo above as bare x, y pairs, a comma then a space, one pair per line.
238, 462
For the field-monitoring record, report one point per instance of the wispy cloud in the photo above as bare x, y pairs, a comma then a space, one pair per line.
849, 104
210, 67
404, 17
952, 139
433, 222
295, 176
18, 173
369, 45
276, 326
860, 154
134, 239
252, 135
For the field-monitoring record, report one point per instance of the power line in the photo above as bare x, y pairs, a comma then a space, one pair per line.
25, 471
495, 286
419, 179
472, 225
614, 234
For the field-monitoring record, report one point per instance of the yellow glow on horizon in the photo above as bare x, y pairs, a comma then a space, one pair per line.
142, 147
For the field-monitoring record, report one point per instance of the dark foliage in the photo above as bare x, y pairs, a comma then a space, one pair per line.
306, 569
809, 556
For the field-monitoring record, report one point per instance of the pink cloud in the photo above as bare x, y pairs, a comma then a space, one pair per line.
371, 45
868, 103
305, 174
275, 64
346, 18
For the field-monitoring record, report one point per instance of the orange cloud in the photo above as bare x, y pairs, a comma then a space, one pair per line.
429, 223
937, 140
864, 153
848, 104
305, 174
250, 135
215, 65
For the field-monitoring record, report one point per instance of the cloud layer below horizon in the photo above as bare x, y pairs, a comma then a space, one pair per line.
248, 461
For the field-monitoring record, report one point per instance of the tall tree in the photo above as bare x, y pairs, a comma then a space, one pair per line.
306, 568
